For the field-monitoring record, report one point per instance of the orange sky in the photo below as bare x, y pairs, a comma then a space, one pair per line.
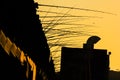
107, 27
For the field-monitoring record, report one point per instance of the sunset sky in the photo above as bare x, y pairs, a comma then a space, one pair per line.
105, 25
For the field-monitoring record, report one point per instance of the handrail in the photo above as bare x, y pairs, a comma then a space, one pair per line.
11, 49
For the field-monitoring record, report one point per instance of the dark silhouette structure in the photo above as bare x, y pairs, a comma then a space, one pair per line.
19, 22
114, 75
85, 63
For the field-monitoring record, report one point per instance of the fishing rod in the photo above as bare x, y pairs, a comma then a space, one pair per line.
84, 9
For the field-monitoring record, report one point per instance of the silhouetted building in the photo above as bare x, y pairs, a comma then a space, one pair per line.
84, 63
114, 75
19, 22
